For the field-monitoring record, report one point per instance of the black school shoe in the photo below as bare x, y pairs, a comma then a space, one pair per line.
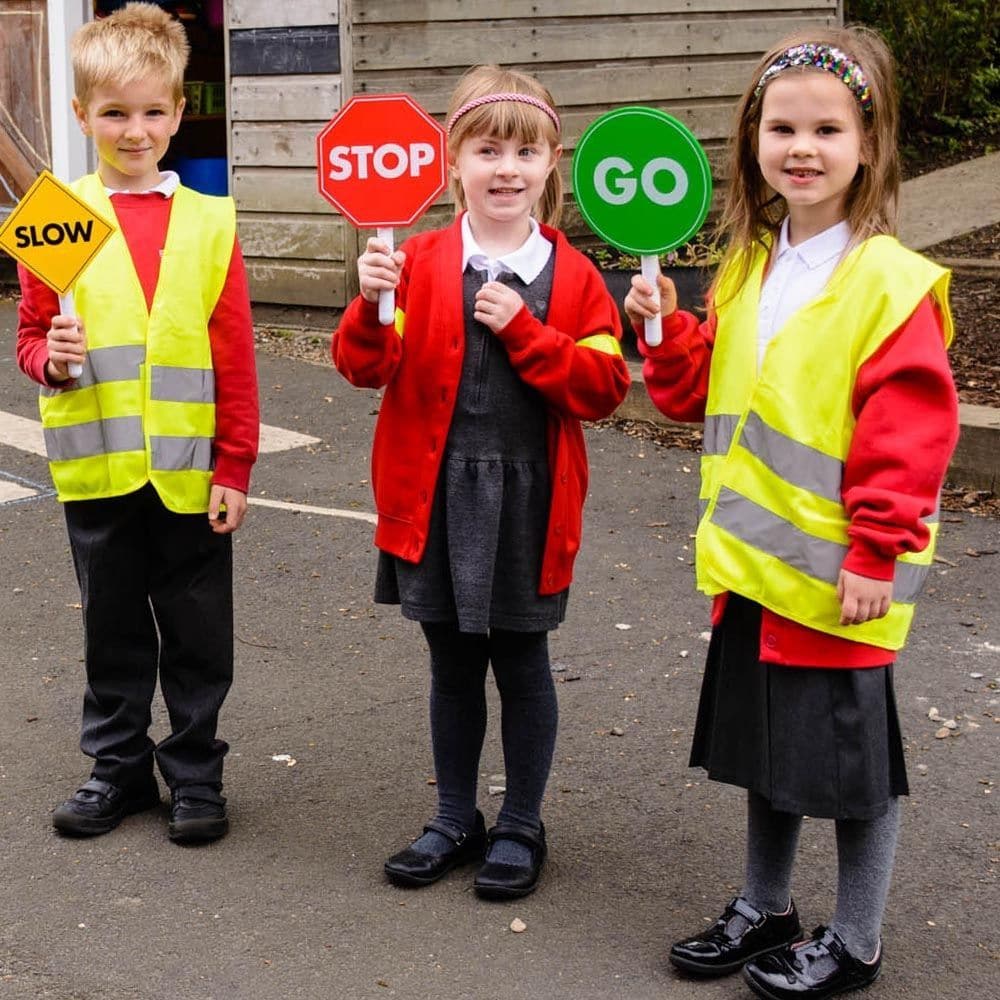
415, 868
740, 934
818, 968
194, 820
98, 806
496, 880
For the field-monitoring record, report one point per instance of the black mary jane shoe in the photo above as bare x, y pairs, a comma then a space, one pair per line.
742, 932
415, 868
98, 806
496, 880
814, 969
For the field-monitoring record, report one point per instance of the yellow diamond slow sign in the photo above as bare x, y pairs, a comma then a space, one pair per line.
53, 233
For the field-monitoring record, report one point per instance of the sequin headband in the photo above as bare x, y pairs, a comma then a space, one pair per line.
478, 102
834, 61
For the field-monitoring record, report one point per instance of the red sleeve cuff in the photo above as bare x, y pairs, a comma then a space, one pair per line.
866, 560
673, 326
232, 472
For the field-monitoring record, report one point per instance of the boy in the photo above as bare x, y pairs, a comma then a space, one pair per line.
159, 430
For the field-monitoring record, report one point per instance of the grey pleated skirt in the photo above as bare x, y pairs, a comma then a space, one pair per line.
812, 741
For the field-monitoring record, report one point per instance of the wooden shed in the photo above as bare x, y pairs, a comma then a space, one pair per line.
266, 75
292, 65
25, 147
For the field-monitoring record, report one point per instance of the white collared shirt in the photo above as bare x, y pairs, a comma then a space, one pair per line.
527, 261
170, 180
797, 276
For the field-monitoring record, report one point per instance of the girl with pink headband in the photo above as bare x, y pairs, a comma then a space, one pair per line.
505, 338
830, 414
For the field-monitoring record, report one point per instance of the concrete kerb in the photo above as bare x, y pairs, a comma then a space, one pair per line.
975, 464
935, 207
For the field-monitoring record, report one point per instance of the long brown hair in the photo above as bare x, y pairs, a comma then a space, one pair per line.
506, 120
753, 210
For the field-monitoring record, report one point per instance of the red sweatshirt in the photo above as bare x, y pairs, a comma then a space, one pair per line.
904, 403
143, 219
421, 371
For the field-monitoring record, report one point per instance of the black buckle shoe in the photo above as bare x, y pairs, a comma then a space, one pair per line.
99, 806
740, 934
817, 968
194, 820
415, 868
496, 880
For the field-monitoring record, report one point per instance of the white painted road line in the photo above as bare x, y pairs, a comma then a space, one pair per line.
278, 439
14, 491
26, 435
21, 433
354, 515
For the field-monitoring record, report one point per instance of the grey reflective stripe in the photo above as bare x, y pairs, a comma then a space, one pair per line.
182, 385
98, 437
116, 364
106, 364
813, 556
172, 454
908, 581
718, 432
796, 463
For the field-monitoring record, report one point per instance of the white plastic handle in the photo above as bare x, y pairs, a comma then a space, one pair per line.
68, 308
386, 299
653, 327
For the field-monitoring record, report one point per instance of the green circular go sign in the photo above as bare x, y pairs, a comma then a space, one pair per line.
642, 180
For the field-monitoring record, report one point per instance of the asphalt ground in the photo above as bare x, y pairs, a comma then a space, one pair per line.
293, 903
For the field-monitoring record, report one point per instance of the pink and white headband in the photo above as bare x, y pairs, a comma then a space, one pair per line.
478, 102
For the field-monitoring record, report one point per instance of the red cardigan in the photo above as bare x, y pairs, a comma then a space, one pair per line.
143, 219
421, 371
905, 405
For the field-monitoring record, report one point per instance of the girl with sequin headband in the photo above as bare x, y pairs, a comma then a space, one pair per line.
830, 415
505, 338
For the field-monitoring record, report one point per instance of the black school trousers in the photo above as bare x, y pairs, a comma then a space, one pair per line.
157, 594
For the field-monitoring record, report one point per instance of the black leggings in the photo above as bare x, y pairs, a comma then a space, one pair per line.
529, 717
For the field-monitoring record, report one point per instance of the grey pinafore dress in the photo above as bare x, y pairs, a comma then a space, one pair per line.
483, 558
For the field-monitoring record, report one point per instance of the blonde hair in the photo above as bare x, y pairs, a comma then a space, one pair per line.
752, 209
140, 40
505, 120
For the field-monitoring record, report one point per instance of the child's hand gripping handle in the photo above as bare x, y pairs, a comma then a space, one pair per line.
653, 334
387, 298
68, 308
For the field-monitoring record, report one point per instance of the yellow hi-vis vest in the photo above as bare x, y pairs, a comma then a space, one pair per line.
773, 526
144, 408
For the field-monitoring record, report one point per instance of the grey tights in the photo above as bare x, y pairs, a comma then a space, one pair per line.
865, 853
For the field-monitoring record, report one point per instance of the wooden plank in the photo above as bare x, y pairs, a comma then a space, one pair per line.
269, 14
292, 236
375, 11
16, 166
280, 144
351, 240
461, 43
296, 283
641, 83
278, 190
285, 98
270, 51
24, 93
293, 144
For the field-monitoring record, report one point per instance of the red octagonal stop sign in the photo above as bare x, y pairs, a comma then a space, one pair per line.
381, 160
